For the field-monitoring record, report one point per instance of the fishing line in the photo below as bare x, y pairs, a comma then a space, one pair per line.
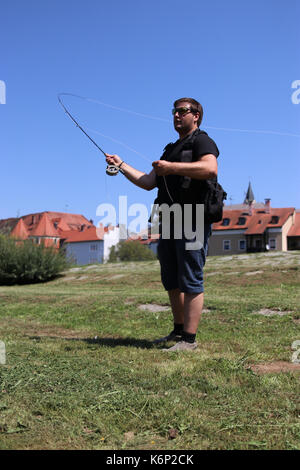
135, 151
148, 116
111, 170
120, 143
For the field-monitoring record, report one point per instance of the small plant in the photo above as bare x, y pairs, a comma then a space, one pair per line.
22, 262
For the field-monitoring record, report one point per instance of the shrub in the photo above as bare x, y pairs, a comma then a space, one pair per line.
24, 262
131, 251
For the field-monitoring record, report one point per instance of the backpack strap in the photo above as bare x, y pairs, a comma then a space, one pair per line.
187, 156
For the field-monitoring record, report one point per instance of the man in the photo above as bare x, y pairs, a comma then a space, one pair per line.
181, 268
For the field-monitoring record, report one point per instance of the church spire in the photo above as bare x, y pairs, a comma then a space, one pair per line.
249, 199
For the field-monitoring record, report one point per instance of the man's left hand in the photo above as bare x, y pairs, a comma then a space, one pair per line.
162, 167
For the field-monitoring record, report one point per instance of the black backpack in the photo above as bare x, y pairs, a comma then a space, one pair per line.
207, 192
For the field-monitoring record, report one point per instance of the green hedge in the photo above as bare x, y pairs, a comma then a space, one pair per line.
26, 262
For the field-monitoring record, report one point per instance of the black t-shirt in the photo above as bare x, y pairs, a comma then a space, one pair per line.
169, 187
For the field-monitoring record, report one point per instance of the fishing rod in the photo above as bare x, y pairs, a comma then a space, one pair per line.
111, 170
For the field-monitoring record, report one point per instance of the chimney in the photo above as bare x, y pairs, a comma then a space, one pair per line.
267, 205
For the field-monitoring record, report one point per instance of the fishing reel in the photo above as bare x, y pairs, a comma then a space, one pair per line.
113, 170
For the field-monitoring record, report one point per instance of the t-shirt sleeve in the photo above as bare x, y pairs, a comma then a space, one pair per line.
204, 145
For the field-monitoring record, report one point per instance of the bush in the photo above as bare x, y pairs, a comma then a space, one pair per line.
24, 262
130, 251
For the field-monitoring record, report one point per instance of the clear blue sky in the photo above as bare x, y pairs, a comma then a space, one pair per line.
238, 59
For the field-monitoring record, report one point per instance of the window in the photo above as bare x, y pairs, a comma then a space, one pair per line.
94, 247
274, 219
272, 243
242, 245
226, 245
225, 222
241, 221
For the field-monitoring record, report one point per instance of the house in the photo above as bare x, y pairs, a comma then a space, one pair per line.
293, 236
44, 227
255, 227
84, 247
91, 245
81, 240
249, 227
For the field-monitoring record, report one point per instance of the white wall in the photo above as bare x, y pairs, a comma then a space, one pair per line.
111, 238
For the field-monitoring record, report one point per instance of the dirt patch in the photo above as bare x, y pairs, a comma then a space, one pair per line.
33, 329
266, 312
154, 307
252, 273
116, 276
274, 367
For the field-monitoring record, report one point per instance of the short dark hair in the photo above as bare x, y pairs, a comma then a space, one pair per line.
196, 107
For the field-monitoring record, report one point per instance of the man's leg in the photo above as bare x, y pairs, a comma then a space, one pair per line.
177, 304
193, 304
186, 309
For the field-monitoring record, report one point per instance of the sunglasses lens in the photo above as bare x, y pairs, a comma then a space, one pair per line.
181, 110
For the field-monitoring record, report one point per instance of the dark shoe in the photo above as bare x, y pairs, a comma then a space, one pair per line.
171, 337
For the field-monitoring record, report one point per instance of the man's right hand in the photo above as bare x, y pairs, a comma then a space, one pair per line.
113, 159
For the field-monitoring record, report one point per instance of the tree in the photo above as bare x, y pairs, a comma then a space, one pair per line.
131, 251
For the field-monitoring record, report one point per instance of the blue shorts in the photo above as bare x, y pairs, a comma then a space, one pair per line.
181, 268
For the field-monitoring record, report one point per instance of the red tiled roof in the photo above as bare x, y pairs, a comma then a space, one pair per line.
20, 230
73, 221
60, 224
89, 234
255, 223
44, 228
295, 229
58, 220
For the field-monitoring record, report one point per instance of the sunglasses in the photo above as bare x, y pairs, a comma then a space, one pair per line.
182, 110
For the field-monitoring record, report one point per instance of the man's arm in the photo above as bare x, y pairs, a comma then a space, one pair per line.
140, 179
206, 167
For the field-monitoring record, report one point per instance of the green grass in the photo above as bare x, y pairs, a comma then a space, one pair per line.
63, 389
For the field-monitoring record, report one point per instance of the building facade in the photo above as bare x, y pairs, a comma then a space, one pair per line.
255, 227
82, 242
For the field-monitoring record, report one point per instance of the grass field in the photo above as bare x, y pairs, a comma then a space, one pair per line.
81, 372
